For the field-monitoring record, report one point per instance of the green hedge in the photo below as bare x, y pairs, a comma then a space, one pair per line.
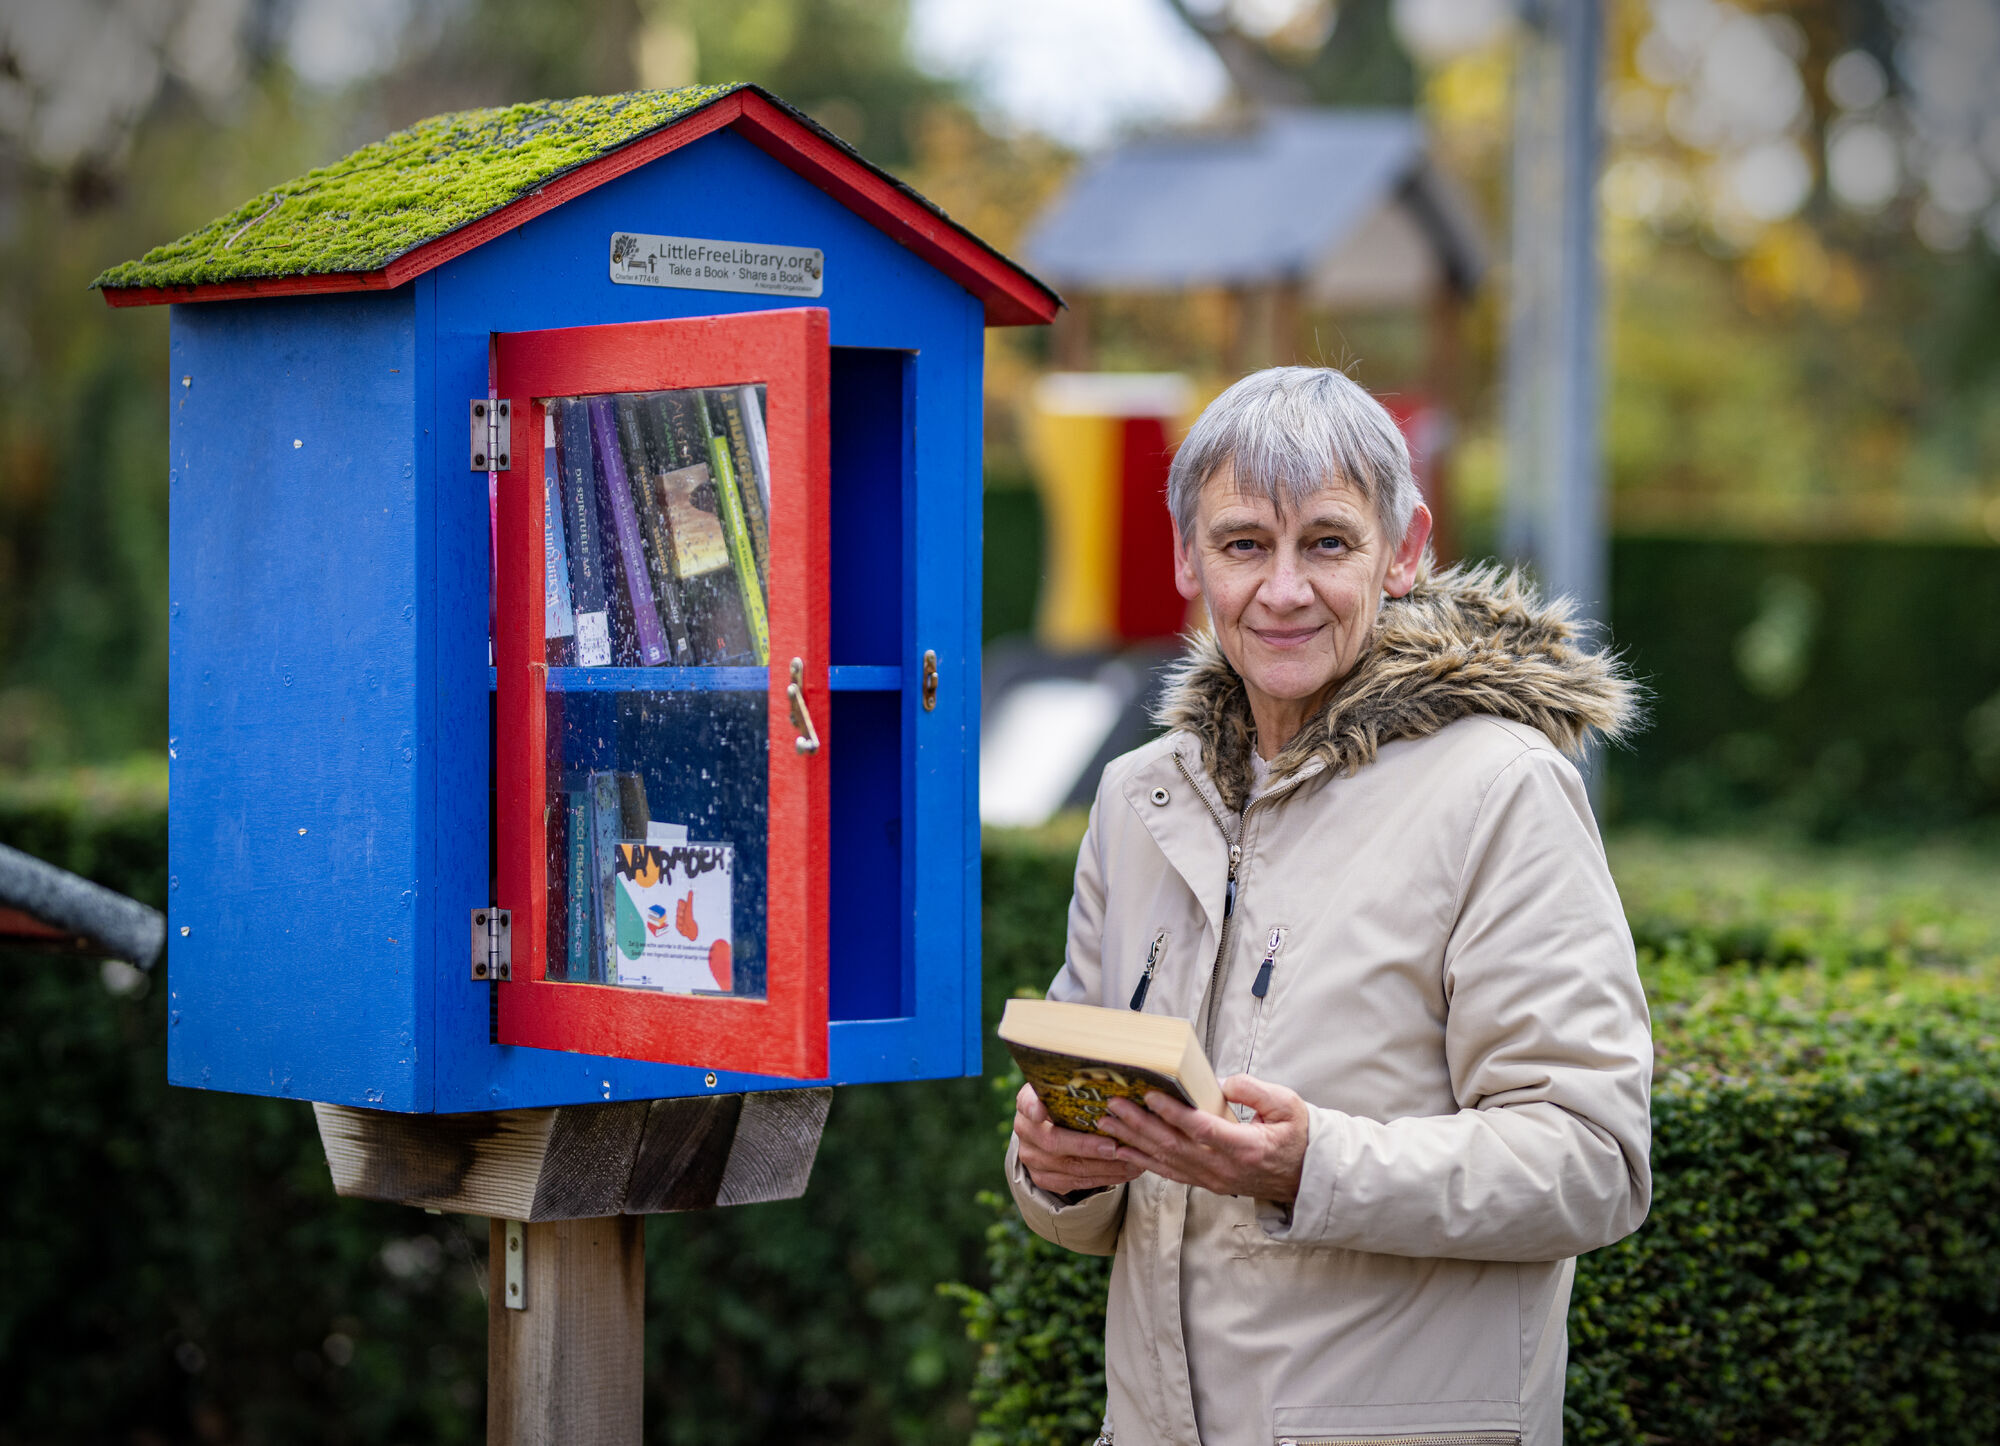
1822, 1262
181, 1271
1828, 685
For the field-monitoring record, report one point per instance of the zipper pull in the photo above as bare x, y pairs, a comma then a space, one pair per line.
1271, 946
1152, 963
1229, 894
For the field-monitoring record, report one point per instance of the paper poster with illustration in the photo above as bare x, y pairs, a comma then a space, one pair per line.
673, 928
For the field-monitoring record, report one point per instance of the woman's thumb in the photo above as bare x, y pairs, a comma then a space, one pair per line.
1265, 1099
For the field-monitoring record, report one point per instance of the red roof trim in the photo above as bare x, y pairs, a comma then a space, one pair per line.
1011, 296
253, 286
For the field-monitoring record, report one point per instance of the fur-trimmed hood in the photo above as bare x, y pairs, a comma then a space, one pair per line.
1465, 641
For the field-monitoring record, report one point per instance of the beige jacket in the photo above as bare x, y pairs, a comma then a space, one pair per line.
1452, 989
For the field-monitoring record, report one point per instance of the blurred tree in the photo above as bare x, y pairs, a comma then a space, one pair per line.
1306, 52
846, 62
125, 123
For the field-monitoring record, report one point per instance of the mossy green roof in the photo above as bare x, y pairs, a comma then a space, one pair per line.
361, 213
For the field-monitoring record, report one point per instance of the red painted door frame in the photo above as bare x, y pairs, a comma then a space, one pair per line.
784, 1033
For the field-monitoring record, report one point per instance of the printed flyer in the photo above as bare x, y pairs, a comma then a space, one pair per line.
674, 916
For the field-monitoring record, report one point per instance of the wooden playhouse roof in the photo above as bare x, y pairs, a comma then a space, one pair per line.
415, 199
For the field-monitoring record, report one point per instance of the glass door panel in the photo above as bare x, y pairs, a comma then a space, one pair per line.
663, 799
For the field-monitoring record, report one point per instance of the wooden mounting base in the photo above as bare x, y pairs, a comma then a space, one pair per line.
576, 1162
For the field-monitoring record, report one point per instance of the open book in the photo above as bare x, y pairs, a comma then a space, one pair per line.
1079, 1057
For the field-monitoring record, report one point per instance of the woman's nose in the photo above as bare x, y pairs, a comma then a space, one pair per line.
1286, 586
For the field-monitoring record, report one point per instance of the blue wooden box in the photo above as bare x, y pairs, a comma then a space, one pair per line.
331, 704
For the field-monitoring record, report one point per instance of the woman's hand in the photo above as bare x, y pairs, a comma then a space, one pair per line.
1263, 1159
1062, 1161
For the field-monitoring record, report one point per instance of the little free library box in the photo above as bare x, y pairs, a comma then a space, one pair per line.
574, 615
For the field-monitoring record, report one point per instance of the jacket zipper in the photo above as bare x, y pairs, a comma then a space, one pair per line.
1152, 966
1445, 1438
1213, 1001
1262, 986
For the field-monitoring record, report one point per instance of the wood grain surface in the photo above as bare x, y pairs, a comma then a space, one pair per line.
569, 1368
634, 1157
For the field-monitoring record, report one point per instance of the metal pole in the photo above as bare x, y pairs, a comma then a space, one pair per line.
1577, 565
1554, 512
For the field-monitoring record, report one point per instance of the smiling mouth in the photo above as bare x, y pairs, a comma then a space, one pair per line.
1285, 638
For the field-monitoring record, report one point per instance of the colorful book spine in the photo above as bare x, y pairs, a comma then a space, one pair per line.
577, 930
604, 827
742, 555
650, 638
558, 617
586, 541
701, 550
752, 401
555, 937
643, 468
730, 404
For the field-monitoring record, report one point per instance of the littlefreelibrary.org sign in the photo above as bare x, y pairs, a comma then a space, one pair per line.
698, 265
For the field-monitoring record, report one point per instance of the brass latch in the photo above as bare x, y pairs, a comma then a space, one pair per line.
802, 718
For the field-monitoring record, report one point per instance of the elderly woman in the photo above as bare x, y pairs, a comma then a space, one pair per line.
1360, 864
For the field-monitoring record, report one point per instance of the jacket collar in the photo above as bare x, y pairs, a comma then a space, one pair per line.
1464, 642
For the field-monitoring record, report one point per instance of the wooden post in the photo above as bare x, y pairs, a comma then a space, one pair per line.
568, 1368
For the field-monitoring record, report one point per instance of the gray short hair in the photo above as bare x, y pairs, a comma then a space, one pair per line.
1289, 432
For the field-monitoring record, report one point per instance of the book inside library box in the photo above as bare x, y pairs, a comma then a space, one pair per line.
661, 613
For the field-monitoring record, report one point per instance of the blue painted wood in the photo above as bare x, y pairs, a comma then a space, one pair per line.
296, 710
331, 669
864, 678
840, 678
659, 680
553, 272
971, 630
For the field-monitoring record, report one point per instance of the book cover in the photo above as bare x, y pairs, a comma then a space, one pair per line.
643, 467
742, 556
716, 622
729, 403
604, 831
624, 639
558, 618
576, 889
1078, 1091
586, 554
673, 916
648, 637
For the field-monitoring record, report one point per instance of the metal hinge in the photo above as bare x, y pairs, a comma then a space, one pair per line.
492, 944
492, 437
516, 1272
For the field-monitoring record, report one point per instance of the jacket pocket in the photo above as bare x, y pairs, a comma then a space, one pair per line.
1427, 1423
1422, 1438
1260, 990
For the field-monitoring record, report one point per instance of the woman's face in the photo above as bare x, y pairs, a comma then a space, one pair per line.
1292, 599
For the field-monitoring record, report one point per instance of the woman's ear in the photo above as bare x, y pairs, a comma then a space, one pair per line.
1409, 556
1187, 576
